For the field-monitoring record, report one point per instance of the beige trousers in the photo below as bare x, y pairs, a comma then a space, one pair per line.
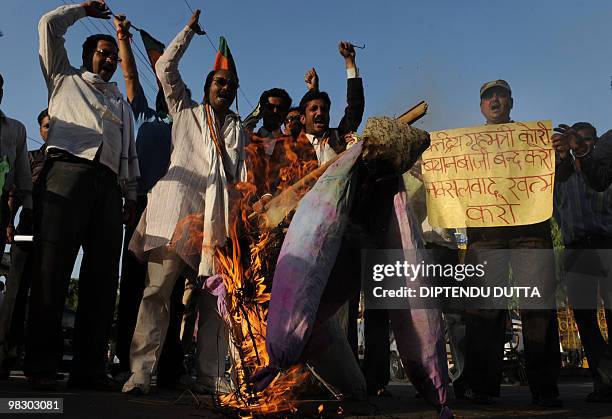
163, 269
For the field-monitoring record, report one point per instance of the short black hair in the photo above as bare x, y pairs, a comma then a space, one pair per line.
44, 113
275, 92
313, 95
91, 43
585, 125
207, 83
294, 109
1, 81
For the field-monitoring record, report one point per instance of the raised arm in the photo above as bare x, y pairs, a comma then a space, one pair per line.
595, 163
312, 80
51, 30
128, 63
133, 88
353, 113
167, 69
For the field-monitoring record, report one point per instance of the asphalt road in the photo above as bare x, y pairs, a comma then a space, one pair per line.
514, 403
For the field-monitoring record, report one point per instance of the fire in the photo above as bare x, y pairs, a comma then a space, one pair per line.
246, 265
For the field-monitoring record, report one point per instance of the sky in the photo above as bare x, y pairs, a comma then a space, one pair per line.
556, 54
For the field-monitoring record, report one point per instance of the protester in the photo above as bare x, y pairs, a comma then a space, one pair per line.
275, 104
315, 106
91, 163
153, 144
267, 152
595, 160
486, 328
14, 165
187, 215
292, 123
585, 218
12, 316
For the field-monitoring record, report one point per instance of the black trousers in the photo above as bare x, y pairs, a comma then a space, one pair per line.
131, 287
133, 274
376, 356
21, 272
486, 328
80, 205
591, 253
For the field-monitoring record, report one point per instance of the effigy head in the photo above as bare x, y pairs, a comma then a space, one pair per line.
391, 147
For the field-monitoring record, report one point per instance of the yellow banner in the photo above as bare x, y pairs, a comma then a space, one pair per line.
491, 175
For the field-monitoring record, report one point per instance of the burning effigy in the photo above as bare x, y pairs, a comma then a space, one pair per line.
285, 273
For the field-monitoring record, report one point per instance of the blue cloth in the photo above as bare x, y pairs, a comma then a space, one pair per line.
153, 143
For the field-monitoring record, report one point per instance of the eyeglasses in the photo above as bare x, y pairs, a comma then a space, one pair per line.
232, 84
293, 118
108, 54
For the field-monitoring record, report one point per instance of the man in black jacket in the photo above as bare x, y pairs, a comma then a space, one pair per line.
315, 105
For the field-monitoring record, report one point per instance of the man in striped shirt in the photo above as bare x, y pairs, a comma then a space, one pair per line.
585, 218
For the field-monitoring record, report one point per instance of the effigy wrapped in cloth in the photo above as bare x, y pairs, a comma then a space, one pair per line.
318, 266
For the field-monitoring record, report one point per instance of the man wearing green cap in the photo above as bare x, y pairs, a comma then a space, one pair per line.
188, 210
486, 328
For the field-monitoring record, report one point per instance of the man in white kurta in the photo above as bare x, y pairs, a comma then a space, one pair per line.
187, 216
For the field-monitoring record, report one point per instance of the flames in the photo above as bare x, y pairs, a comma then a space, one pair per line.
246, 265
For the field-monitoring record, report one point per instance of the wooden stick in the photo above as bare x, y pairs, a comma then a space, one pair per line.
415, 113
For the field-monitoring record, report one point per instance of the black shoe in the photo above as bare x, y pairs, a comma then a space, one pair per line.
43, 382
547, 401
102, 383
599, 396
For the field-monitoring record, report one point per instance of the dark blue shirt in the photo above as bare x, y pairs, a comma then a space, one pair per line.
153, 143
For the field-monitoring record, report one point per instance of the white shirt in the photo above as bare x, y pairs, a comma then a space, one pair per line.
83, 118
324, 150
13, 146
269, 139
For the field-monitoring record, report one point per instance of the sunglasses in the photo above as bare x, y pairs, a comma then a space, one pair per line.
293, 118
108, 54
232, 84
272, 106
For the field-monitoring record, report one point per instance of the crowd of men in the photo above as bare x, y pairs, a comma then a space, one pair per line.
173, 170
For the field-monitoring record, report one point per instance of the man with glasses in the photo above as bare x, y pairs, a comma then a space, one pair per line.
266, 152
293, 126
91, 166
188, 211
